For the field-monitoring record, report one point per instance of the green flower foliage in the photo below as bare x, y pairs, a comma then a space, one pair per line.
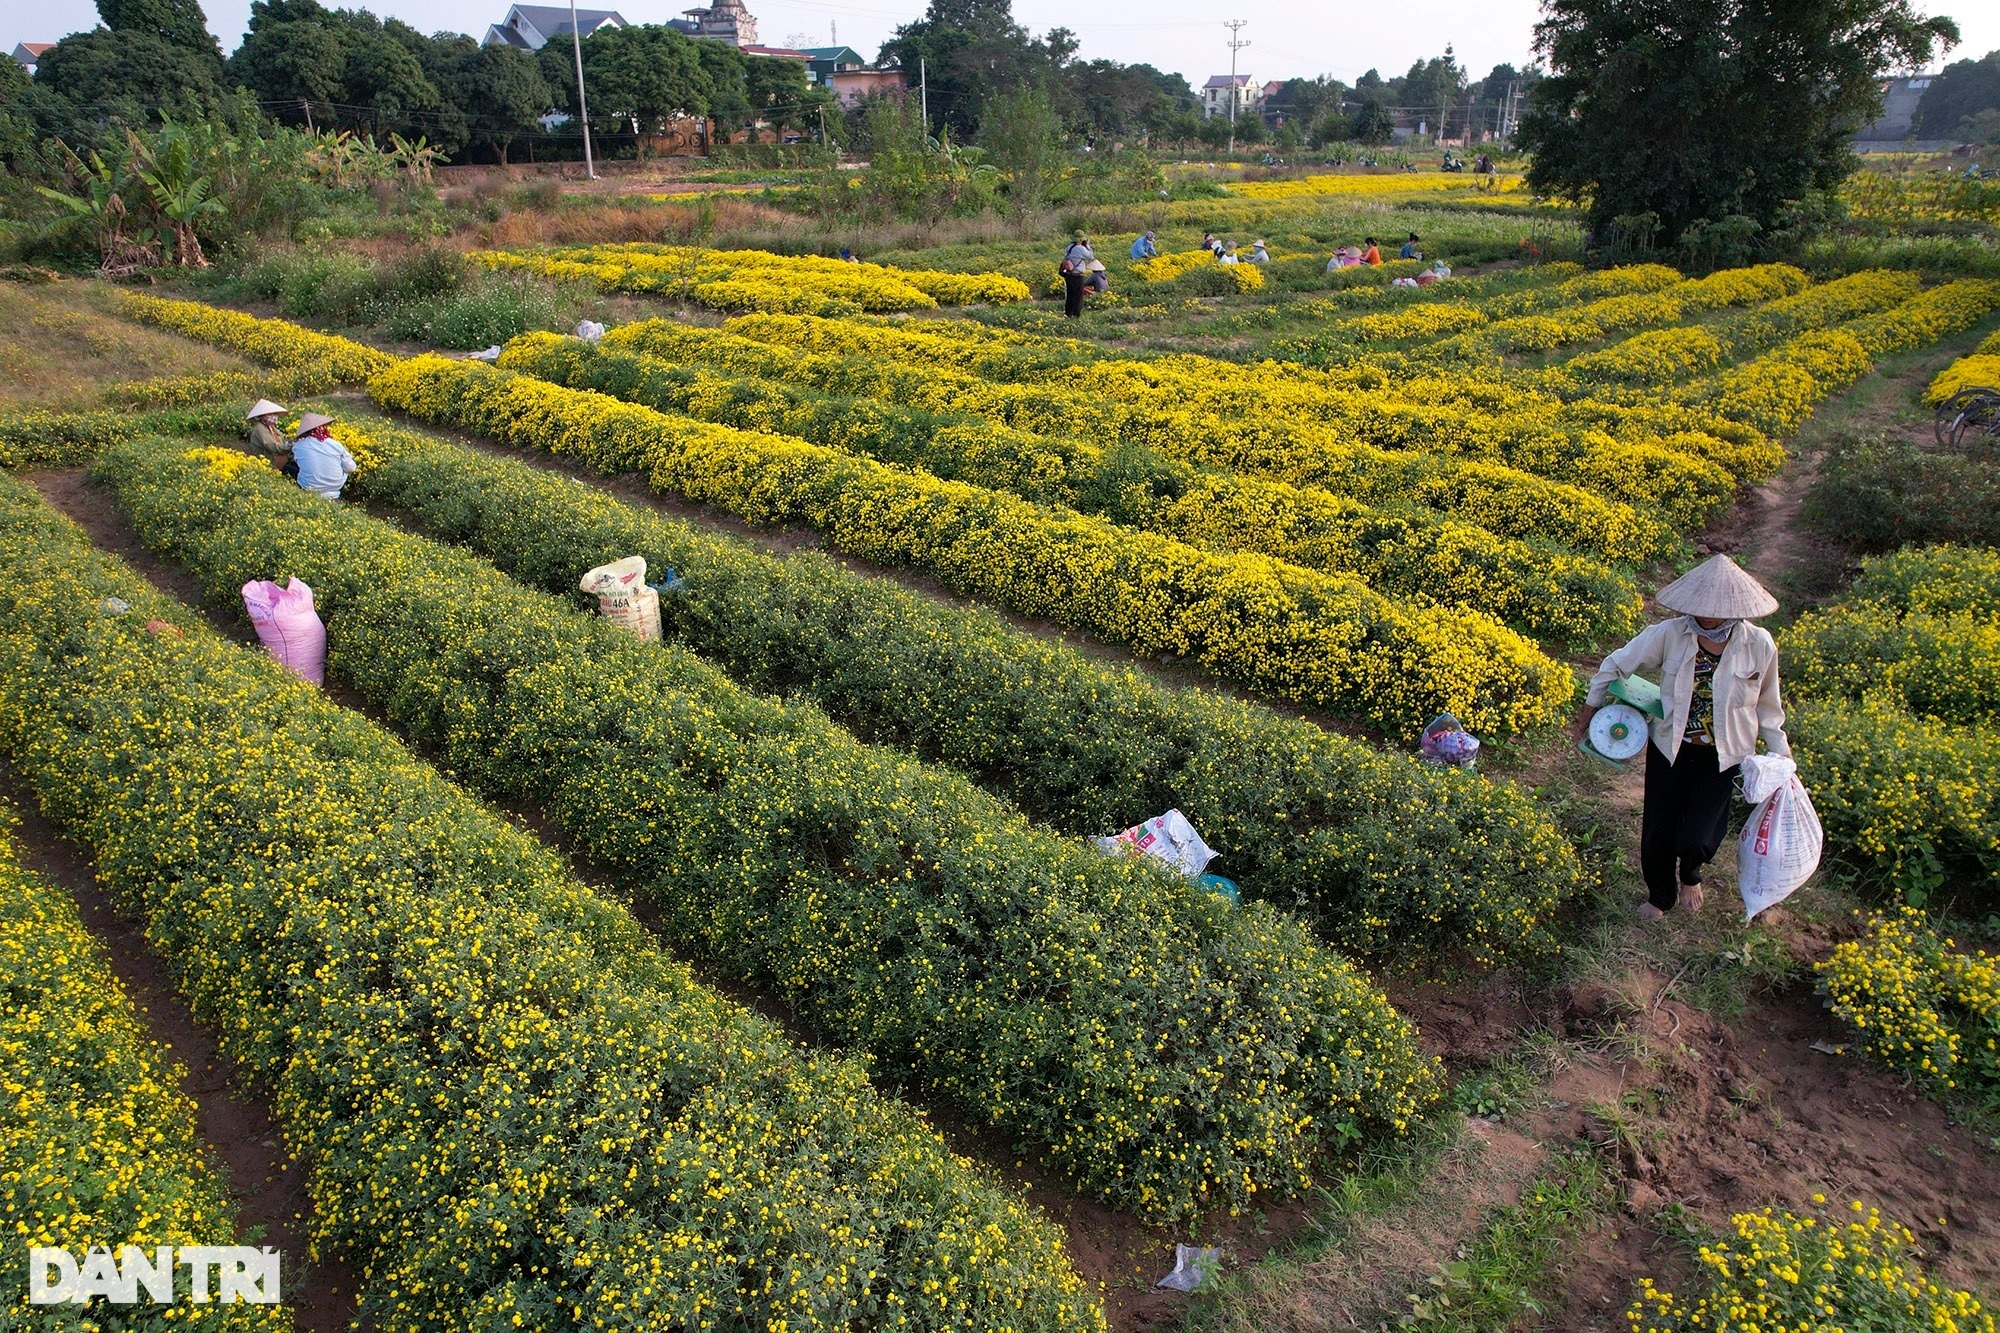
515, 1107
1164, 1050
98, 1144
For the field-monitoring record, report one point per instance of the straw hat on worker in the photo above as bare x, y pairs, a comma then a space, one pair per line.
267, 433
1718, 677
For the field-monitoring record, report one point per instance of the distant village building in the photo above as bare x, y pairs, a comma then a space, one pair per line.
847, 73
725, 21
1222, 89
1893, 128
28, 53
531, 27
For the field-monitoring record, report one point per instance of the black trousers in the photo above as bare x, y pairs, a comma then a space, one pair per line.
1686, 819
1072, 294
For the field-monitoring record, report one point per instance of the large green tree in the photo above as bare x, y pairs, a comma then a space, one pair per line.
970, 51
1105, 98
1697, 111
1307, 102
339, 68
646, 74
150, 57
493, 95
1957, 96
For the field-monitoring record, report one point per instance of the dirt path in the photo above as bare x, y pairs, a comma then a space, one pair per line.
1722, 1117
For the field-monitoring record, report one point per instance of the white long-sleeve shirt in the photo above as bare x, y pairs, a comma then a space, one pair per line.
1747, 705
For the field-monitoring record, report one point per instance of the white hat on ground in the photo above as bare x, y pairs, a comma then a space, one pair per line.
264, 407
1718, 589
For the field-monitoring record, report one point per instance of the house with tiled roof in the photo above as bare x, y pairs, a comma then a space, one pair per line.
28, 54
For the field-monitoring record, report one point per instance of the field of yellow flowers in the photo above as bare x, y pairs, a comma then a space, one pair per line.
98, 1144
1163, 1050
515, 1107
868, 806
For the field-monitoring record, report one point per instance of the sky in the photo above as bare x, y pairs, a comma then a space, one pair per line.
1288, 38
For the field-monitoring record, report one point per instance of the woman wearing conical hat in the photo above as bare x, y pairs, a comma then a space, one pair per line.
1719, 687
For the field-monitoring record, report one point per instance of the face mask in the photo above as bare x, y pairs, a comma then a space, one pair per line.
1720, 634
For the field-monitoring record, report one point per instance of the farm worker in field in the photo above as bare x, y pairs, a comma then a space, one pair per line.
847, 256
1098, 282
324, 463
1228, 256
1372, 256
1719, 686
1075, 271
1258, 254
1409, 250
1143, 248
267, 435
1210, 243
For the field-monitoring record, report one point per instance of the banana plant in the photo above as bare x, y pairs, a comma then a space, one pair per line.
100, 204
414, 159
181, 193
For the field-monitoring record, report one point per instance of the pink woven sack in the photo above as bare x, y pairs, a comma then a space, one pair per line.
288, 626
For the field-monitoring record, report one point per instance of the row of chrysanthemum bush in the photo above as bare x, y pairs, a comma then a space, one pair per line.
1680, 460
757, 279
1381, 854
1892, 688
1355, 434
1921, 1003
1648, 360
1177, 408
1890, 691
516, 1111
1162, 1049
1810, 1271
1402, 551
1326, 640
1980, 369
1582, 309
98, 1144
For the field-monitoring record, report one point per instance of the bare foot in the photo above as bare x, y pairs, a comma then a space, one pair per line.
1648, 912
1692, 895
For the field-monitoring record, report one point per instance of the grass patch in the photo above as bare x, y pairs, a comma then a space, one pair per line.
58, 347
1508, 1276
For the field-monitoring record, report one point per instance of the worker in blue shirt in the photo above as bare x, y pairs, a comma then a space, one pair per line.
1143, 248
324, 463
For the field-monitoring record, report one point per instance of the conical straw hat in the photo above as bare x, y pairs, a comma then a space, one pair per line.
1718, 589
263, 407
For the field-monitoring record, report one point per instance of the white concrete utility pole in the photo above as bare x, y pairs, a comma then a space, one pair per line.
1235, 44
582, 107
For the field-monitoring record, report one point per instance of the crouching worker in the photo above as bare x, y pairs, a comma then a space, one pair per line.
1719, 689
267, 435
324, 463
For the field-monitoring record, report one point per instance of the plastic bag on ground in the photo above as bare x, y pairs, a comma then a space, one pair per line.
623, 597
288, 626
1167, 838
1781, 843
589, 330
1193, 1265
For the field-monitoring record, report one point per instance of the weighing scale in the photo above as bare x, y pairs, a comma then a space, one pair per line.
1619, 732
